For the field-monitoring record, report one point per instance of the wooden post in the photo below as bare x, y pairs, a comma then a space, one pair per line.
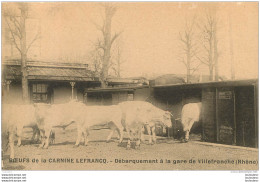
202, 115
72, 89
235, 120
243, 132
7, 94
256, 113
217, 121
8, 82
85, 97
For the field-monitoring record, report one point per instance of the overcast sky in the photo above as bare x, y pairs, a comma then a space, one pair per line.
150, 40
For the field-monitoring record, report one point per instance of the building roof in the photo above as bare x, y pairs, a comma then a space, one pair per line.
48, 71
114, 89
17, 62
231, 83
172, 79
168, 79
130, 80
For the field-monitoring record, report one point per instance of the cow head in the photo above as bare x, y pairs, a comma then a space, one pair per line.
167, 119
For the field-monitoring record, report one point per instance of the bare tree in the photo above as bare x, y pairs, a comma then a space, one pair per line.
96, 56
189, 49
210, 45
118, 61
17, 26
215, 39
231, 47
107, 41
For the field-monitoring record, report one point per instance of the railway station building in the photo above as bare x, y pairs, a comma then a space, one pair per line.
229, 108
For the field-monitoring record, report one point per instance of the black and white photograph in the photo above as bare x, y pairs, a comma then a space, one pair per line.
129, 86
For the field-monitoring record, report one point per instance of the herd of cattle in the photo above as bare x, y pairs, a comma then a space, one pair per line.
129, 116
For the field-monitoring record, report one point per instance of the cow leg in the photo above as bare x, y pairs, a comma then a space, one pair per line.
36, 133
153, 133
110, 135
187, 132
139, 134
42, 138
128, 144
11, 144
112, 127
52, 137
149, 133
142, 134
47, 140
79, 137
86, 133
191, 123
118, 127
128, 140
138, 143
187, 135
120, 133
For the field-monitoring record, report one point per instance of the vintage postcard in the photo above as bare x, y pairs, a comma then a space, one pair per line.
129, 86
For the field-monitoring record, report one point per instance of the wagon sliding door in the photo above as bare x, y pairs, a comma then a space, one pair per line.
225, 117
246, 125
208, 114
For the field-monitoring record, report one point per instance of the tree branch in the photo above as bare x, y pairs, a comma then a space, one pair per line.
184, 62
204, 62
195, 69
99, 27
115, 36
16, 23
35, 38
12, 33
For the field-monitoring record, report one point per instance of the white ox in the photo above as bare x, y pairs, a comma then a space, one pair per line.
14, 119
57, 115
99, 115
190, 113
139, 114
62, 115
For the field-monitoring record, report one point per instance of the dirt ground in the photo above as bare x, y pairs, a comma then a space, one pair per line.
167, 154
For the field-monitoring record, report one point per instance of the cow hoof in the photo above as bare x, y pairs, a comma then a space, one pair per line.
75, 146
137, 147
184, 140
